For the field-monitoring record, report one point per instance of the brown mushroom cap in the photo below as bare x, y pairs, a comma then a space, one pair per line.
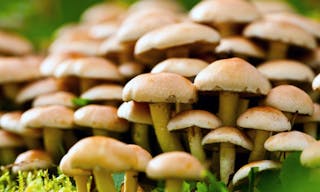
100, 117
189, 118
135, 112
9, 140
286, 70
289, 98
288, 141
56, 98
264, 118
31, 160
175, 165
154, 87
13, 44
103, 92
186, 67
310, 156
234, 75
228, 135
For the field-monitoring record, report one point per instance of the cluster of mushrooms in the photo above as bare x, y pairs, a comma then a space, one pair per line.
168, 94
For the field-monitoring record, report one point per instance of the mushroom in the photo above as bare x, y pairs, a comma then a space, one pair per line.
63, 98
264, 120
192, 121
10, 142
227, 137
310, 123
273, 6
155, 89
131, 69
174, 167
14, 44
310, 156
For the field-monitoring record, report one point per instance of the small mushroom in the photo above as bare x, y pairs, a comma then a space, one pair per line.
63, 98
310, 123
10, 142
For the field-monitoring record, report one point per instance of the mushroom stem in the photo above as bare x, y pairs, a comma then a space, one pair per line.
131, 181
7, 156
194, 138
277, 50
243, 105
226, 29
69, 138
310, 129
173, 185
103, 180
86, 84
177, 52
10, 90
140, 135
53, 143
160, 114
32, 143
81, 183
227, 161
182, 107
258, 151
228, 102
100, 132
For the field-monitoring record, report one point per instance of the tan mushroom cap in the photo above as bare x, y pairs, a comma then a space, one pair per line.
13, 44
238, 45
100, 117
175, 165
228, 135
9, 140
234, 75
87, 47
152, 45
280, 31
310, 156
141, 5
19, 69
222, 11
155, 87
67, 169
288, 141
39, 87
264, 118
315, 117
186, 67
102, 152
103, 92
112, 46
316, 83
274, 6
131, 69
135, 112
289, 98
31, 160
10, 121
57, 98
52, 61
53, 116
198, 118
103, 30
143, 157
262, 165
286, 70
89, 67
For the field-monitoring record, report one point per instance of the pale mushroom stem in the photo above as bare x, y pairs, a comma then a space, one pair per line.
196, 149
100, 132
131, 181
182, 107
228, 106
243, 105
103, 180
173, 185
53, 143
311, 129
81, 183
160, 114
32, 143
10, 90
226, 29
227, 161
258, 151
86, 84
8, 155
140, 135
277, 50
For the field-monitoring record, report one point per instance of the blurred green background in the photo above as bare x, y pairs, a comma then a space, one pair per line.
37, 19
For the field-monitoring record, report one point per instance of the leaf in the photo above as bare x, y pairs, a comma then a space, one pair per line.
252, 176
80, 102
118, 179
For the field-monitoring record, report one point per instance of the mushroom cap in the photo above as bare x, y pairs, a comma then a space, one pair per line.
103, 92
186, 67
224, 11
103, 30
142, 5
234, 75
13, 44
315, 117
288, 141
143, 157
57, 98
264, 118
131, 69
53, 116
31, 160
67, 169
175, 165
10, 140
190, 118
136, 112
274, 6
100, 117
151, 46
19, 69
102, 152
228, 134
52, 61
290, 70
155, 87
239, 45
316, 83
280, 31
112, 47
289, 98
262, 165
310, 156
